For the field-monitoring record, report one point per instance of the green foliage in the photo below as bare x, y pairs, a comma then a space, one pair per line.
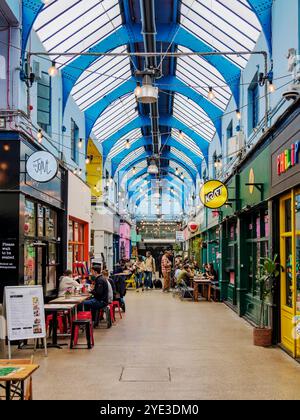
268, 271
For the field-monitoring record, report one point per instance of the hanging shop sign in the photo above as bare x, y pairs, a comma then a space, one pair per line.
42, 167
180, 236
288, 158
193, 227
214, 194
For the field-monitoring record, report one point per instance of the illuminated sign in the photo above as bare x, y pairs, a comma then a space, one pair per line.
288, 159
214, 194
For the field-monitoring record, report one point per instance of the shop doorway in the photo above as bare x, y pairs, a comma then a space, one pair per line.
290, 277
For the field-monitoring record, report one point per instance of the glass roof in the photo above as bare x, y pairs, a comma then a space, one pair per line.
225, 25
120, 146
183, 157
138, 180
74, 26
175, 165
192, 115
102, 77
134, 155
187, 142
118, 114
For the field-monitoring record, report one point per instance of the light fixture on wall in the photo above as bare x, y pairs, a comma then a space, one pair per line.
238, 114
75, 171
272, 87
53, 71
88, 160
80, 143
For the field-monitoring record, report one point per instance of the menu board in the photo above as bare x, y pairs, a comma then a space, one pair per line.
25, 314
8, 254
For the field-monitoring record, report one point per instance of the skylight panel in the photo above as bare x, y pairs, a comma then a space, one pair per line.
116, 116
223, 24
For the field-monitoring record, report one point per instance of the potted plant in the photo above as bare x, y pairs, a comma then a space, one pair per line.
68, 293
268, 271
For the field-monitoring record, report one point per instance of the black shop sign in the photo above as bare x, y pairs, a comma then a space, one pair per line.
8, 254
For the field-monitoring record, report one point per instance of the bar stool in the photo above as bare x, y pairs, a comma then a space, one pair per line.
88, 325
116, 304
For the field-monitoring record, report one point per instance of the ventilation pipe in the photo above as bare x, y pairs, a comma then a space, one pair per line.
149, 34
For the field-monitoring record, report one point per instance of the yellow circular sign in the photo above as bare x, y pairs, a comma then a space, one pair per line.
251, 181
214, 194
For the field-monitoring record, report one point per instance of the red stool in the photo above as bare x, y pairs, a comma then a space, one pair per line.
112, 311
116, 304
82, 316
60, 323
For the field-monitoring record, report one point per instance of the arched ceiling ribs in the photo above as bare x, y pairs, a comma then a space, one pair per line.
143, 171
142, 158
149, 193
192, 159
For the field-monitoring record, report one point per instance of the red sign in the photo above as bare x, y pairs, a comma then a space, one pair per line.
193, 227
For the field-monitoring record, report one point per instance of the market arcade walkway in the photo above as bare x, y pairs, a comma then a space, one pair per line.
167, 349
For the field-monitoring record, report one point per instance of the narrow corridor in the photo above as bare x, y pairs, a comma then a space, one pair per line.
167, 349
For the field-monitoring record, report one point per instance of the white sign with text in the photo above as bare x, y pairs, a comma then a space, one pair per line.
42, 166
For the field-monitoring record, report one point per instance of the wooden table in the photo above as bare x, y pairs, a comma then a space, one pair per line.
17, 378
74, 299
53, 309
204, 283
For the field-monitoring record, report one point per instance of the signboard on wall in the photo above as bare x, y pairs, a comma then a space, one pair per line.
8, 255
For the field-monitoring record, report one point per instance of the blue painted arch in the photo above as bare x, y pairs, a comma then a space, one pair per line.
143, 142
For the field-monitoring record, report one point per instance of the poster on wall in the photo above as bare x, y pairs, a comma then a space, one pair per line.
25, 314
8, 255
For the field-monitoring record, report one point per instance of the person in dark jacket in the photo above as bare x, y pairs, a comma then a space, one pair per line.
99, 292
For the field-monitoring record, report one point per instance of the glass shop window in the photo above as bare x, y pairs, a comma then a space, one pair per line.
50, 223
29, 263
30, 219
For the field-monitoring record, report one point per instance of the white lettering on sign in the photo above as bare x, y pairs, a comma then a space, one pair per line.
42, 167
213, 194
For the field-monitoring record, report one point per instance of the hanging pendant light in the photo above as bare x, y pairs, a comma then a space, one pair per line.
40, 136
211, 95
53, 71
128, 144
153, 168
146, 94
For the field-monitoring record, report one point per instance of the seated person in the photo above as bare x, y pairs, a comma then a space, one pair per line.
177, 273
112, 291
206, 270
99, 292
185, 275
212, 274
67, 282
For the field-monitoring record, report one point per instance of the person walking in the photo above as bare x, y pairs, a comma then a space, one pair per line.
150, 270
166, 268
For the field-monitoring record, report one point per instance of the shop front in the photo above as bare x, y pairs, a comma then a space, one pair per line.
32, 215
286, 195
125, 240
79, 222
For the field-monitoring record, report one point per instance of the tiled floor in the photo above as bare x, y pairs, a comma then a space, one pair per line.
168, 349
